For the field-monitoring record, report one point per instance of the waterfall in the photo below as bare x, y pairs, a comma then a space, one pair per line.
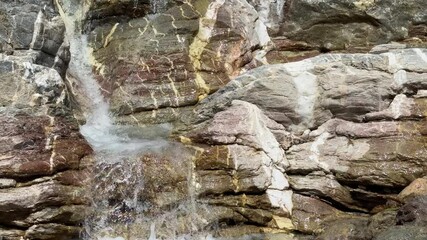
116, 180
117, 184
158, 6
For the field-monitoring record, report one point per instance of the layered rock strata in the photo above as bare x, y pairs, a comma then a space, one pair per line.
332, 137
323, 146
43, 157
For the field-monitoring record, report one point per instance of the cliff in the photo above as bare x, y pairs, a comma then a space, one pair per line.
287, 119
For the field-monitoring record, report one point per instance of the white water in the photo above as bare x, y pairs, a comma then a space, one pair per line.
158, 6
119, 206
99, 129
117, 177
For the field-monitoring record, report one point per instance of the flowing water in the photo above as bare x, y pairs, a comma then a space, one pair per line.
142, 185
120, 188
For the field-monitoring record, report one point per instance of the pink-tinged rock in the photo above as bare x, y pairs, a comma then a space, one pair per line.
417, 188
367, 130
241, 169
244, 124
324, 186
401, 107
310, 215
16, 204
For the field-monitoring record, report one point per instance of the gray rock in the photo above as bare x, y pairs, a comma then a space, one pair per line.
308, 93
16, 204
349, 229
382, 221
345, 24
244, 124
387, 47
338, 151
311, 215
11, 234
52, 231
7, 183
413, 212
403, 233
324, 187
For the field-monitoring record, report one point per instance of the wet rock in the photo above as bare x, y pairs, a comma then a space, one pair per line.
381, 221
310, 215
403, 233
342, 150
73, 177
52, 231
72, 215
185, 52
39, 135
351, 229
417, 188
352, 125
413, 212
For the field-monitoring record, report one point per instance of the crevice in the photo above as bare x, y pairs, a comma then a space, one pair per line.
260, 192
12, 227
378, 189
345, 19
332, 202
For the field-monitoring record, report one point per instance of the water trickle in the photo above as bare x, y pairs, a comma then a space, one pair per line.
158, 6
121, 208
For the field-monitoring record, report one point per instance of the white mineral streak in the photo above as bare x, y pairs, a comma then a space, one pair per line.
306, 85
401, 106
393, 64
206, 27
420, 54
315, 151
278, 180
400, 78
281, 199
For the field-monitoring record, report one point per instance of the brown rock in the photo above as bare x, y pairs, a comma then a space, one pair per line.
310, 215
417, 188
52, 231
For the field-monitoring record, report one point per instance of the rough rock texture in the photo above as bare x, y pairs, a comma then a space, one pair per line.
345, 132
42, 154
306, 28
174, 58
333, 146
33, 29
154, 65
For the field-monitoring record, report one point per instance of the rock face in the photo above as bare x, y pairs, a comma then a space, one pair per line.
305, 28
176, 57
326, 137
42, 154
333, 145
153, 66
